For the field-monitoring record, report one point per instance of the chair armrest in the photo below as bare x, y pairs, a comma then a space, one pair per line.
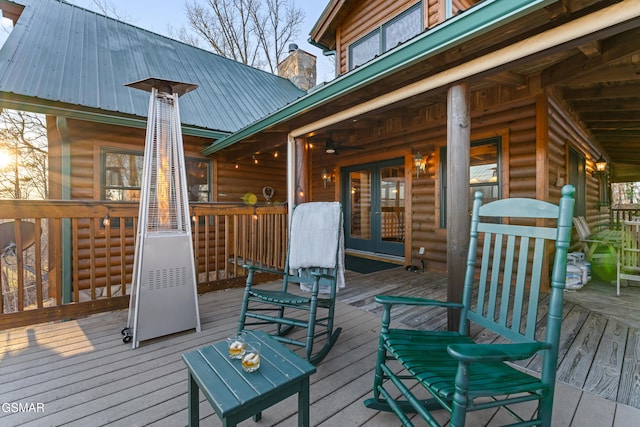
474, 353
393, 300
262, 269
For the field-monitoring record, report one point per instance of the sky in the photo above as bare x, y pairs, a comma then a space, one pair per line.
157, 16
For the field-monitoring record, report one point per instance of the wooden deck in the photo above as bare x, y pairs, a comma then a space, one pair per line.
80, 373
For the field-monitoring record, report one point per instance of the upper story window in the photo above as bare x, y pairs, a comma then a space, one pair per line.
122, 176
388, 36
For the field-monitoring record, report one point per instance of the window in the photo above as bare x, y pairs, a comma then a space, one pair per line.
578, 178
122, 176
391, 34
484, 174
364, 49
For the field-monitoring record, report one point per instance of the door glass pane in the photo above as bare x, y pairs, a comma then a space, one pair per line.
360, 185
392, 204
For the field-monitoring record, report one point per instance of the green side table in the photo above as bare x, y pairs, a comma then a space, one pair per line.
236, 395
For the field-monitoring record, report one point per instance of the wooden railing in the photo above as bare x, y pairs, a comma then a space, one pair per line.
618, 215
64, 259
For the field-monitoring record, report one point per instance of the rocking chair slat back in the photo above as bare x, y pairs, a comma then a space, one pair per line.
501, 294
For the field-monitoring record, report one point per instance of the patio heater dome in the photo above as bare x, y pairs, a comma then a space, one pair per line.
164, 298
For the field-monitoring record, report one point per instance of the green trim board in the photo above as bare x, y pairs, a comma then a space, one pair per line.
479, 20
54, 109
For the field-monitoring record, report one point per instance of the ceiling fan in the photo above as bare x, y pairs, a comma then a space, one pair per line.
331, 146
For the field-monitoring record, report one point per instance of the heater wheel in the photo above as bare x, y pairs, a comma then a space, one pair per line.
127, 335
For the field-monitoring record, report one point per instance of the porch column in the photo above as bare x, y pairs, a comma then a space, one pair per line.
458, 227
301, 191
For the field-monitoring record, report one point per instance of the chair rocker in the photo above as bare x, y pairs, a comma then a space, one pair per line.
500, 298
313, 271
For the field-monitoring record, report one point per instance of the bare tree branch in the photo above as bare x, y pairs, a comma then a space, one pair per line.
23, 142
254, 32
108, 9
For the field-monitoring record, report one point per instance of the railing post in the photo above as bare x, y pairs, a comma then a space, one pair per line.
65, 172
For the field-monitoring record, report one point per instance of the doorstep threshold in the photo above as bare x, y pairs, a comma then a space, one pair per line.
376, 256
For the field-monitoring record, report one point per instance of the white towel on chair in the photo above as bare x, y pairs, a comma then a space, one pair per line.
316, 236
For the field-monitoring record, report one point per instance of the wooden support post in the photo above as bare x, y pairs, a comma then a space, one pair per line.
301, 192
542, 173
458, 159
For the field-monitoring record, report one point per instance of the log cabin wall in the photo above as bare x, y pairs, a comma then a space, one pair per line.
362, 19
496, 111
88, 140
233, 182
564, 131
366, 16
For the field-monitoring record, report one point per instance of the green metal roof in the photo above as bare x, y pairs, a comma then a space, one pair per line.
478, 20
66, 60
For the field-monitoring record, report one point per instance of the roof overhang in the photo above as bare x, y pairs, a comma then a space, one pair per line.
325, 25
482, 18
14, 102
11, 10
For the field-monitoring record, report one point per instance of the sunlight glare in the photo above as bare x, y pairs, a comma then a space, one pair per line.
5, 159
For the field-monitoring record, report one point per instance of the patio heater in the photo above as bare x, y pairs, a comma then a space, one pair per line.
164, 298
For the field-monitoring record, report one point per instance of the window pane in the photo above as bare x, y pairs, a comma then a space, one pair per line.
122, 177
392, 203
360, 184
364, 50
484, 174
403, 28
198, 180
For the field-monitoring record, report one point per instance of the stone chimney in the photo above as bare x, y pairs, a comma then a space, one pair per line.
299, 67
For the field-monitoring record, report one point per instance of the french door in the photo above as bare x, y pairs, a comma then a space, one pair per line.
373, 196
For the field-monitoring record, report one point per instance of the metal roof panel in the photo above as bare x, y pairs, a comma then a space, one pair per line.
60, 52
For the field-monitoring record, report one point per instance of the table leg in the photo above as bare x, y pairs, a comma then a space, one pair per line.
194, 402
303, 404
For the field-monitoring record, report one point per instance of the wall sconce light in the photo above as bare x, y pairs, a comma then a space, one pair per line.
255, 160
106, 221
601, 165
420, 162
326, 177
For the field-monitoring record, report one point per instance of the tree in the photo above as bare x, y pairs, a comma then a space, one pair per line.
23, 148
107, 8
254, 32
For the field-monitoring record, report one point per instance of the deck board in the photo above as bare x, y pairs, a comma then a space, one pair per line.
84, 375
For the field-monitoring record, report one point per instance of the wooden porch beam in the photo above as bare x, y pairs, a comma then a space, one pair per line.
613, 49
608, 19
508, 78
591, 49
605, 92
458, 163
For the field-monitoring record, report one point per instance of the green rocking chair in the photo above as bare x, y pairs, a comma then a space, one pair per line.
501, 296
314, 270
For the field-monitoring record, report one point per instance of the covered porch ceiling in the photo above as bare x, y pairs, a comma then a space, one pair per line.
596, 74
